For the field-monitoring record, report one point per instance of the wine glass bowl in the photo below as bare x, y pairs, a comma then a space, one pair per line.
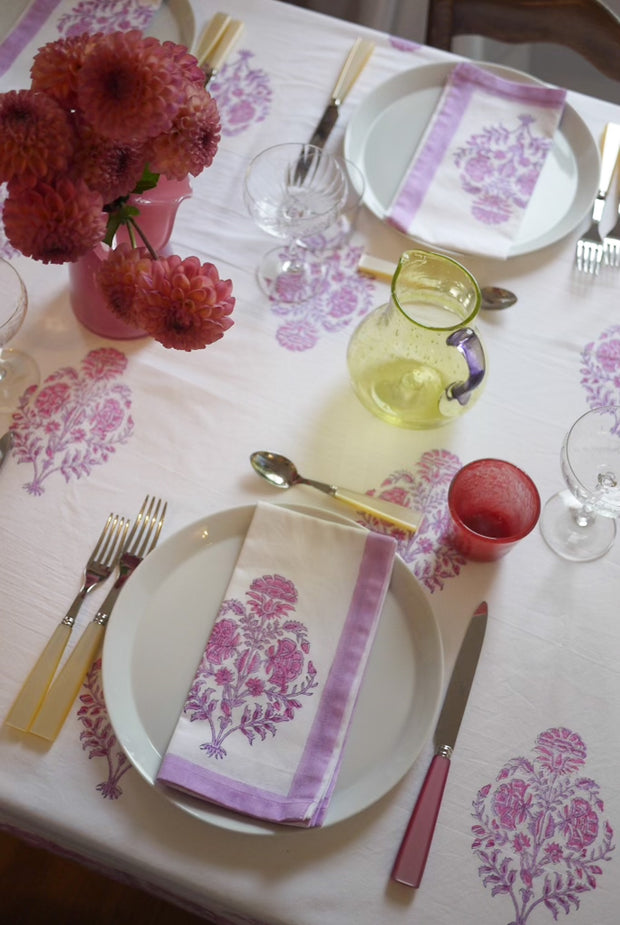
293, 191
580, 523
17, 369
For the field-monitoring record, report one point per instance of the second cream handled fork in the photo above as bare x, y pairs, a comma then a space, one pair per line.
101, 563
590, 246
56, 705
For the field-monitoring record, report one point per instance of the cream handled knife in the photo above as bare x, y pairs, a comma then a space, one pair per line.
353, 66
411, 858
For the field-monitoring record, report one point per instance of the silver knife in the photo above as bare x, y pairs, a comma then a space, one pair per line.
353, 66
413, 852
6, 442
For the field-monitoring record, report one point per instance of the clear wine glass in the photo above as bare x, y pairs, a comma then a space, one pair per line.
579, 524
293, 191
17, 369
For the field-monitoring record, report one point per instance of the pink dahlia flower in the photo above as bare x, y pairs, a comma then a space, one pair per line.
37, 138
127, 87
55, 68
192, 142
108, 166
184, 63
183, 304
118, 278
54, 223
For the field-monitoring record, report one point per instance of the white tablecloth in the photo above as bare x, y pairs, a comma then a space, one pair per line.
525, 830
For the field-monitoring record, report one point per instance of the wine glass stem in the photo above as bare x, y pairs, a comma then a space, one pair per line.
584, 515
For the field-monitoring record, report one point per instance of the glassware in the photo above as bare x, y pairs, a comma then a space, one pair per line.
417, 361
293, 191
18, 370
493, 505
579, 524
341, 228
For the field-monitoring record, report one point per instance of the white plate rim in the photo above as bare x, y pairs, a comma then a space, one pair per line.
572, 127
182, 13
123, 635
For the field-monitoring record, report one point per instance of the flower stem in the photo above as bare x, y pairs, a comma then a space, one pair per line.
131, 225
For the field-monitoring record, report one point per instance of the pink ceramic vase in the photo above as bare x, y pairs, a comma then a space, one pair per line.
158, 209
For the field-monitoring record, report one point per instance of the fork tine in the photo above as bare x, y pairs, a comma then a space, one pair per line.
111, 540
147, 527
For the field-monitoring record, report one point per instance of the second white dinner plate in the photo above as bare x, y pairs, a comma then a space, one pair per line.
385, 130
158, 631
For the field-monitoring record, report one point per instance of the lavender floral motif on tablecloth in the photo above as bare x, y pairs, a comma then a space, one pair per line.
105, 16
539, 832
499, 168
243, 94
344, 298
74, 420
255, 669
98, 737
429, 553
600, 369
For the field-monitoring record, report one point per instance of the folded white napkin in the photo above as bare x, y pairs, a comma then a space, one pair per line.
265, 721
475, 169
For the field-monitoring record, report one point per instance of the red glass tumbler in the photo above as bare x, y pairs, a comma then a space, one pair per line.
493, 505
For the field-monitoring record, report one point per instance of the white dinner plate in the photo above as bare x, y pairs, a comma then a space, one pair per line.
158, 631
174, 21
384, 131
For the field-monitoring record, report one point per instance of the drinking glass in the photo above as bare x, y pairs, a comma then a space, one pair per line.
579, 523
493, 505
17, 369
293, 191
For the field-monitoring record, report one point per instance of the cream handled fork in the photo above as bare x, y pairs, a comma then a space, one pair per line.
590, 247
56, 705
100, 564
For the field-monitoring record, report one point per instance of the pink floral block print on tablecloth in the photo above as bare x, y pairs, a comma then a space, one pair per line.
600, 369
75, 420
539, 832
429, 552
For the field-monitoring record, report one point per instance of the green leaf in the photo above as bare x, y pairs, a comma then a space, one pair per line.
148, 180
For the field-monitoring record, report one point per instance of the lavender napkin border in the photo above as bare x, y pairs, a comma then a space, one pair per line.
354, 645
464, 79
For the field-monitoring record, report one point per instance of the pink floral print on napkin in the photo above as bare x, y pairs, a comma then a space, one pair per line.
344, 298
98, 738
429, 552
243, 94
539, 832
255, 668
74, 420
499, 167
600, 368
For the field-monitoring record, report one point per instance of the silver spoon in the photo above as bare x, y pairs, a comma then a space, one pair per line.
282, 473
6, 441
494, 298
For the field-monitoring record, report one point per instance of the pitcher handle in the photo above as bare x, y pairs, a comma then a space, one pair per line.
468, 343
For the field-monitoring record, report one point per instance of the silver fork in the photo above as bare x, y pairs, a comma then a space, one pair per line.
611, 245
590, 247
141, 540
100, 564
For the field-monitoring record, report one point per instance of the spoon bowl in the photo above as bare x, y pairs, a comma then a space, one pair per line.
280, 471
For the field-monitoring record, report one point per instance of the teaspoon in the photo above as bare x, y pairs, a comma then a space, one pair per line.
493, 297
6, 442
282, 473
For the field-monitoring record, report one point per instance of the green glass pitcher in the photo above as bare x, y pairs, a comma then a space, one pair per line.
417, 361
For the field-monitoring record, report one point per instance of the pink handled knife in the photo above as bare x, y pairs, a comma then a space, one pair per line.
411, 858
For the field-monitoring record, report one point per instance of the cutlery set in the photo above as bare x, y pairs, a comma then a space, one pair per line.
44, 700
594, 250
